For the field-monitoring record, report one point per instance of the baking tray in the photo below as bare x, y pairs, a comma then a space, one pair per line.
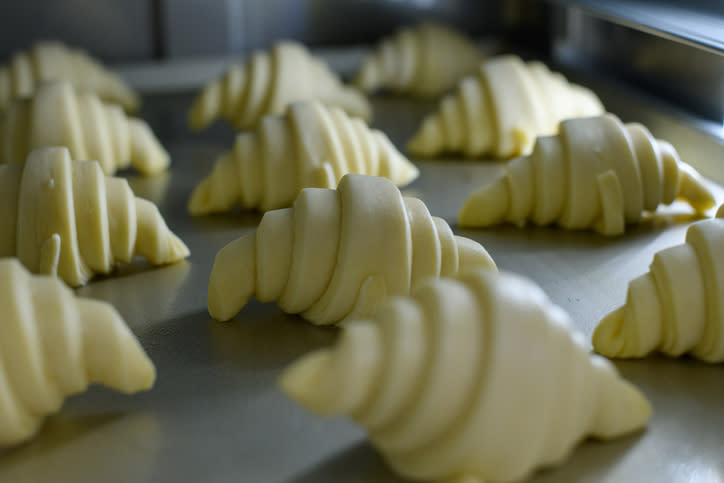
216, 414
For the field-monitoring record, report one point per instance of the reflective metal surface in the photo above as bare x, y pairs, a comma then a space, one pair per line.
634, 41
216, 415
698, 23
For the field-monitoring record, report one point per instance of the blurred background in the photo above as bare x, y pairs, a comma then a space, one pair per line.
672, 48
125, 30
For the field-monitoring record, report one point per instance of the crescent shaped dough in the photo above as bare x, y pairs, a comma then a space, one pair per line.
66, 217
675, 308
46, 61
267, 83
501, 110
310, 146
596, 173
474, 378
338, 253
424, 61
59, 115
54, 344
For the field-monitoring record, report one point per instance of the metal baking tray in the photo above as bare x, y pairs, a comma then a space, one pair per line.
216, 413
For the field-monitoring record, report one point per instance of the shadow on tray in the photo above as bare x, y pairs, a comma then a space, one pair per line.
264, 337
76, 447
357, 464
362, 464
261, 337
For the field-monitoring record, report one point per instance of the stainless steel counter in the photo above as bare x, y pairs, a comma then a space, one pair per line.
216, 415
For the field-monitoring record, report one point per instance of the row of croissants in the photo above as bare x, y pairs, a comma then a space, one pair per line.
428, 357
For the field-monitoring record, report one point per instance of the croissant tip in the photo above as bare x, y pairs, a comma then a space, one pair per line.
155, 164
131, 102
233, 278
199, 202
299, 381
196, 123
219, 313
105, 334
138, 373
218, 303
366, 79
427, 141
642, 406
178, 249
473, 254
704, 202
487, 206
196, 119
147, 153
410, 172
608, 337
417, 146
220, 307
633, 412
143, 377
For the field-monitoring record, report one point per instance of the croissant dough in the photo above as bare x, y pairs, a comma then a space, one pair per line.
338, 253
424, 61
59, 115
54, 344
676, 307
477, 378
596, 173
66, 217
267, 83
310, 146
501, 110
47, 61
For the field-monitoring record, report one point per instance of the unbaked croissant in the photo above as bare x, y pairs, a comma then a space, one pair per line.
47, 61
59, 115
267, 83
338, 253
423, 61
596, 173
501, 110
676, 307
310, 146
66, 217
52, 345
476, 378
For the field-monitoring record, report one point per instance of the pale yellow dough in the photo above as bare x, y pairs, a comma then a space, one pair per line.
596, 173
338, 253
46, 61
501, 110
675, 308
52, 345
474, 378
59, 115
310, 146
423, 61
67, 218
267, 83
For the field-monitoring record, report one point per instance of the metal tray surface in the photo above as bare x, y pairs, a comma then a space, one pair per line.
216, 414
